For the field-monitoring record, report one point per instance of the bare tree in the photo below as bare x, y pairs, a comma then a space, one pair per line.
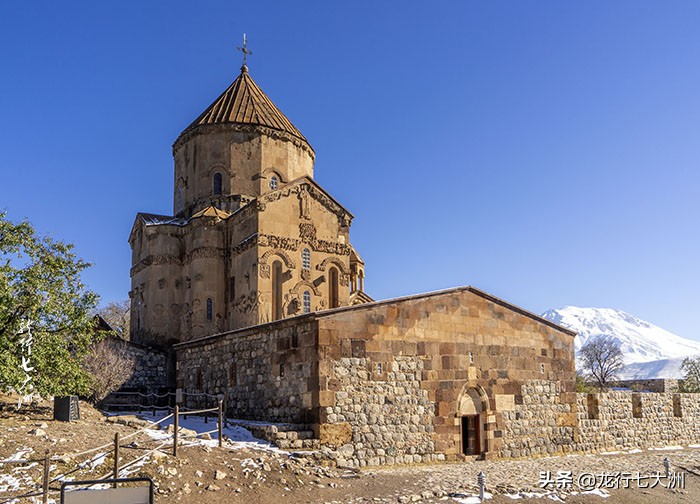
691, 374
602, 360
109, 366
117, 315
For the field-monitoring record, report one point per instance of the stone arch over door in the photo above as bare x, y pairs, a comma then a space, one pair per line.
473, 421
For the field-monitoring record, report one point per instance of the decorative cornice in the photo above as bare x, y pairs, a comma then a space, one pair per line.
246, 244
160, 259
204, 129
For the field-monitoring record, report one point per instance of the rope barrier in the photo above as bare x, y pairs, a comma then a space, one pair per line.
83, 464
128, 464
22, 496
143, 429
195, 412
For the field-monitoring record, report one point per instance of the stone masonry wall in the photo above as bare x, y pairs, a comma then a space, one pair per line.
539, 423
150, 365
151, 368
266, 373
650, 385
457, 356
624, 420
390, 420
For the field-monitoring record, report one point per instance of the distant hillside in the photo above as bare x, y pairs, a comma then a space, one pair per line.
649, 351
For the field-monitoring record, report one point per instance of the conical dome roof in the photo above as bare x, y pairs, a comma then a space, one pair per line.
245, 103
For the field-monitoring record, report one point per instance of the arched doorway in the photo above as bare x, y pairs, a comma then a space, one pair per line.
472, 406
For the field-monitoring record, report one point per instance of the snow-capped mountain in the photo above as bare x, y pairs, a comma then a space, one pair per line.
649, 351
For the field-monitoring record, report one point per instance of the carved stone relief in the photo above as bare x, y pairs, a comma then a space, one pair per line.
302, 286
304, 205
280, 242
288, 261
247, 304
307, 232
336, 262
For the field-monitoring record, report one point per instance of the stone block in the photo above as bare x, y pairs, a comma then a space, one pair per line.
505, 402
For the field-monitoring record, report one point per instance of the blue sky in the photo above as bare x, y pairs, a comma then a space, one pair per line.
546, 152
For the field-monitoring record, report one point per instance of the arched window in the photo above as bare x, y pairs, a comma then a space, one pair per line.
307, 302
273, 182
333, 301
276, 290
306, 259
210, 308
178, 199
218, 184
361, 278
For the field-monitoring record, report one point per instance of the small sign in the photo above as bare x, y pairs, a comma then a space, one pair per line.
125, 495
117, 495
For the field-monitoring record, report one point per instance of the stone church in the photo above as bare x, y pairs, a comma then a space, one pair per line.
252, 239
254, 287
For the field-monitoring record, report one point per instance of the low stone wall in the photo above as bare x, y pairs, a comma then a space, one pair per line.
267, 373
150, 372
150, 365
625, 420
651, 385
540, 423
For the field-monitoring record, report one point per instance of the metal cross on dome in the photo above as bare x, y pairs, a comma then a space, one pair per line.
245, 50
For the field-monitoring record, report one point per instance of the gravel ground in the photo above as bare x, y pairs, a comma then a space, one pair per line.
253, 473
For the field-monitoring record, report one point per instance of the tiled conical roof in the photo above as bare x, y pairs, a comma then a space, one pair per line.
245, 103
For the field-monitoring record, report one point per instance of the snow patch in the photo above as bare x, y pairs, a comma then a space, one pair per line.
239, 437
470, 499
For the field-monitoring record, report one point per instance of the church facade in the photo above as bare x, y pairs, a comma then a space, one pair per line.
253, 286
252, 239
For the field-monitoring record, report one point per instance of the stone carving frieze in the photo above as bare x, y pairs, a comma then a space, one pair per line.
161, 259
155, 260
204, 253
331, 247
278, 242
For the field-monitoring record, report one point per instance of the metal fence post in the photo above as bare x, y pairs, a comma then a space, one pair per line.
175, 425
45, 479
221, 409
116, 458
